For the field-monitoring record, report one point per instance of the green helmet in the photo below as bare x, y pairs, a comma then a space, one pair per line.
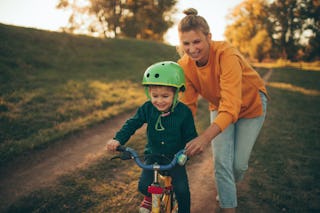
166, 73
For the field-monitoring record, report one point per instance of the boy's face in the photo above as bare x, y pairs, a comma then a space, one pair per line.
162, 97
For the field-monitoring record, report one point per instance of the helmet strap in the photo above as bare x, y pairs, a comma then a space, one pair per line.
175, 100
159, 126
146, 89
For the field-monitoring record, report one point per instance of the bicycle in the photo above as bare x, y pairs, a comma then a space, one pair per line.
163, 196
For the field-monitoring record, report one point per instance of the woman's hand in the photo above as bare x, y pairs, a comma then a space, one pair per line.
196, 146
112, 145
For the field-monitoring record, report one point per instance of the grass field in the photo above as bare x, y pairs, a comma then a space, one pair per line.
285, 161
53, 85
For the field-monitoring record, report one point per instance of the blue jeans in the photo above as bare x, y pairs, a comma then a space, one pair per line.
232, 149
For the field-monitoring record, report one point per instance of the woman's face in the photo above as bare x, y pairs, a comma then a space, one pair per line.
161, 97
196, 45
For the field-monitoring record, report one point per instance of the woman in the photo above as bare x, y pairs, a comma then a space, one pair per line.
237, 99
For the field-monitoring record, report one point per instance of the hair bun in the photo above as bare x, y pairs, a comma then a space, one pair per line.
190, 11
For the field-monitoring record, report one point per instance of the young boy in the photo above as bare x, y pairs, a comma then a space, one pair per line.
170, 126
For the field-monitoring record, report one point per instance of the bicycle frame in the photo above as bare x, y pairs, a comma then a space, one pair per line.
162, 196
168, 199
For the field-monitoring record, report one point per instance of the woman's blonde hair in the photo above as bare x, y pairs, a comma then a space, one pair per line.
192, 21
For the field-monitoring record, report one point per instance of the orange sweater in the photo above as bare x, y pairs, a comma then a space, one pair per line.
227, 81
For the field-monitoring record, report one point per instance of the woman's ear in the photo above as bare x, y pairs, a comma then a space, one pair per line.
209, 37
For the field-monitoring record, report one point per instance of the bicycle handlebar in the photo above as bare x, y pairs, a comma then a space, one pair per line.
179, 158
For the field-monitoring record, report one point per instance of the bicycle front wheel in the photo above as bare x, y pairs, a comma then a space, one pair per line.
169, 203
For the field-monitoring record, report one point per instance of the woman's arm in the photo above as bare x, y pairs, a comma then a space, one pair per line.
198, 145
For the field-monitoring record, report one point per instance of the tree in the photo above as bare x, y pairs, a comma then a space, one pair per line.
285, 16
109, 13
260, 45
311, 26
292, 27
148, 19
144, 19
248, 19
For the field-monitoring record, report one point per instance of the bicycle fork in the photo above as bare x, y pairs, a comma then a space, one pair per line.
165, 193
168, 199
156, 191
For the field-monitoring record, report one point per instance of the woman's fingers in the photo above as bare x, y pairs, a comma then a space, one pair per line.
193, 148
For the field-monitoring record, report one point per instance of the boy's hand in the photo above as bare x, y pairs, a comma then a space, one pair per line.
112, 145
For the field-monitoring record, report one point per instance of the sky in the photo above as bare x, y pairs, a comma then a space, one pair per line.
42, 14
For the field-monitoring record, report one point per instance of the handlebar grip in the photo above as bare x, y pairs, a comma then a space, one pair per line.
125, 154
182, 159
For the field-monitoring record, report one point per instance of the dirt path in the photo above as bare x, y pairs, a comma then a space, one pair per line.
202, 184
25, 175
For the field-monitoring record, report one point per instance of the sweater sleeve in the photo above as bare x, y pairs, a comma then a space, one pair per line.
231, 88
130, 126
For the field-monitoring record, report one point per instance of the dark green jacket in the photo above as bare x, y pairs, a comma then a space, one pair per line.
179, 129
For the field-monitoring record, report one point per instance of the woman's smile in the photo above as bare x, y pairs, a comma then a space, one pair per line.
196, 45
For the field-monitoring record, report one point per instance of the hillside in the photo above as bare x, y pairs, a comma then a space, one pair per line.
53, 84
26, 52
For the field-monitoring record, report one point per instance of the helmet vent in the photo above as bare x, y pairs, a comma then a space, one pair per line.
148, 75
156, 75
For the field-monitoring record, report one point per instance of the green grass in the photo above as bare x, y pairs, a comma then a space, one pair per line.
308, 66
285, 160
54, 84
